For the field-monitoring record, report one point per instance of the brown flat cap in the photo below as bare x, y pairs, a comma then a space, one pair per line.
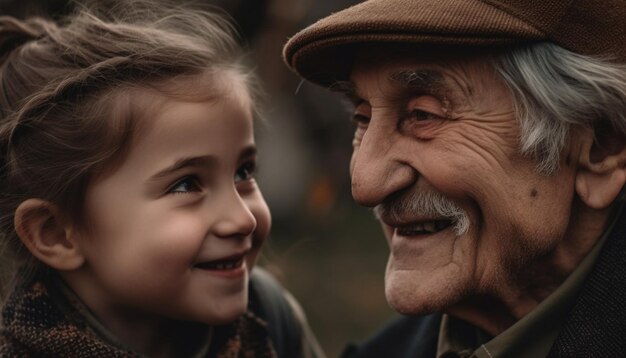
323, 52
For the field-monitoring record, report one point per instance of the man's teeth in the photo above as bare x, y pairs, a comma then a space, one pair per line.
427, 227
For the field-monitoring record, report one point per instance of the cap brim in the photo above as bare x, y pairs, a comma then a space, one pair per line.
324, 52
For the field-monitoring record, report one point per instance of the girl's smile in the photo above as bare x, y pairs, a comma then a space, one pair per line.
231, 267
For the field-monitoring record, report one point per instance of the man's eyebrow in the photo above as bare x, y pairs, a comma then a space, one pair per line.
182, 163
347, 89
421, 80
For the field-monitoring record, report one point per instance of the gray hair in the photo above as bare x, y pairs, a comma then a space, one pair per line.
555, 89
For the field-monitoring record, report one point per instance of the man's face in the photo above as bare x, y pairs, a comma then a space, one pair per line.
436, 152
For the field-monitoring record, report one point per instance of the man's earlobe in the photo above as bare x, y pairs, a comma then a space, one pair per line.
602, 167
43, 230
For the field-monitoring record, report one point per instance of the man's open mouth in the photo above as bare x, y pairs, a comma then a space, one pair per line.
424, 228
222, 264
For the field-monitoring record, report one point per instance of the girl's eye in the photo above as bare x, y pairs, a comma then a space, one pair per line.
245, 172
185, 185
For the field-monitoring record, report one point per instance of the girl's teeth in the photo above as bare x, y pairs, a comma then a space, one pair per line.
222, 265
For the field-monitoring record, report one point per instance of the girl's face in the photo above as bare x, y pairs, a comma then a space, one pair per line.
175, 230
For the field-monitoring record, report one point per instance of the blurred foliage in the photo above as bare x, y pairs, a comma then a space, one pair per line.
335, 266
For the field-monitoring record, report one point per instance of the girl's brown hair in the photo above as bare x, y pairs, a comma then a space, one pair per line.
61, 85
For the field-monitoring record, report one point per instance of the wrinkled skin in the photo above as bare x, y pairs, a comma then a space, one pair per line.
446, 123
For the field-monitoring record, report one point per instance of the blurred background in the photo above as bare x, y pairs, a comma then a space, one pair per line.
329, 252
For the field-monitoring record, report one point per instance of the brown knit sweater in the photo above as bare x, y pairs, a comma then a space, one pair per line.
40, 321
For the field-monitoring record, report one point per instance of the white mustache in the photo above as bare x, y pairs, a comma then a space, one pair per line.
420, 204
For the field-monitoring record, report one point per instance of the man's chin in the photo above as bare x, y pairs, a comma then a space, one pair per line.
417, 296
410, 305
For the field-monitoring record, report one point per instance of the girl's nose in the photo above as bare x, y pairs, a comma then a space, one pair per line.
234, 218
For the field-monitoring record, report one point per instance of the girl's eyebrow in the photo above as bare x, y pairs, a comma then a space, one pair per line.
201, 161
196, 162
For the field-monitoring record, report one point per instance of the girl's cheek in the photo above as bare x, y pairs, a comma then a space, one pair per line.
261, 213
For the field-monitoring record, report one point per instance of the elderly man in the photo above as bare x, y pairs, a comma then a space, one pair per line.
491, 142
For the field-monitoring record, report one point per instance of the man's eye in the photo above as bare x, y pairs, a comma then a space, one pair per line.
245, 172
185, 185
424, 107
360, 119
419, 115
362, 113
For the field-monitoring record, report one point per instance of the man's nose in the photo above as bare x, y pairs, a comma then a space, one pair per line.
379, 168
234, 218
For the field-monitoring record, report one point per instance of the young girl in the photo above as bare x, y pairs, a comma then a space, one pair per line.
128, 197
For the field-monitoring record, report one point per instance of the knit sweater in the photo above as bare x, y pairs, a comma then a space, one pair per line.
40, 321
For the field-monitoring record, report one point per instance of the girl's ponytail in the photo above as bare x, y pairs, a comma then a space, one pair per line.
14, 33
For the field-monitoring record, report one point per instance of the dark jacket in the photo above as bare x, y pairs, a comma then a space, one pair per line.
596, 326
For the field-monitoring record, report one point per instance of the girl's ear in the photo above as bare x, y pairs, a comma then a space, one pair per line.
47, 235
602, 167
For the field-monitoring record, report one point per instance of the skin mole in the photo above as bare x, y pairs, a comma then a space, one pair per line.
533, 193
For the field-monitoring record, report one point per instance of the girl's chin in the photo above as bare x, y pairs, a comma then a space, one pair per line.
225, 319
226, 315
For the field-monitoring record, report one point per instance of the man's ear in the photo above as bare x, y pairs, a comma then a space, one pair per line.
47, 235
602, 166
